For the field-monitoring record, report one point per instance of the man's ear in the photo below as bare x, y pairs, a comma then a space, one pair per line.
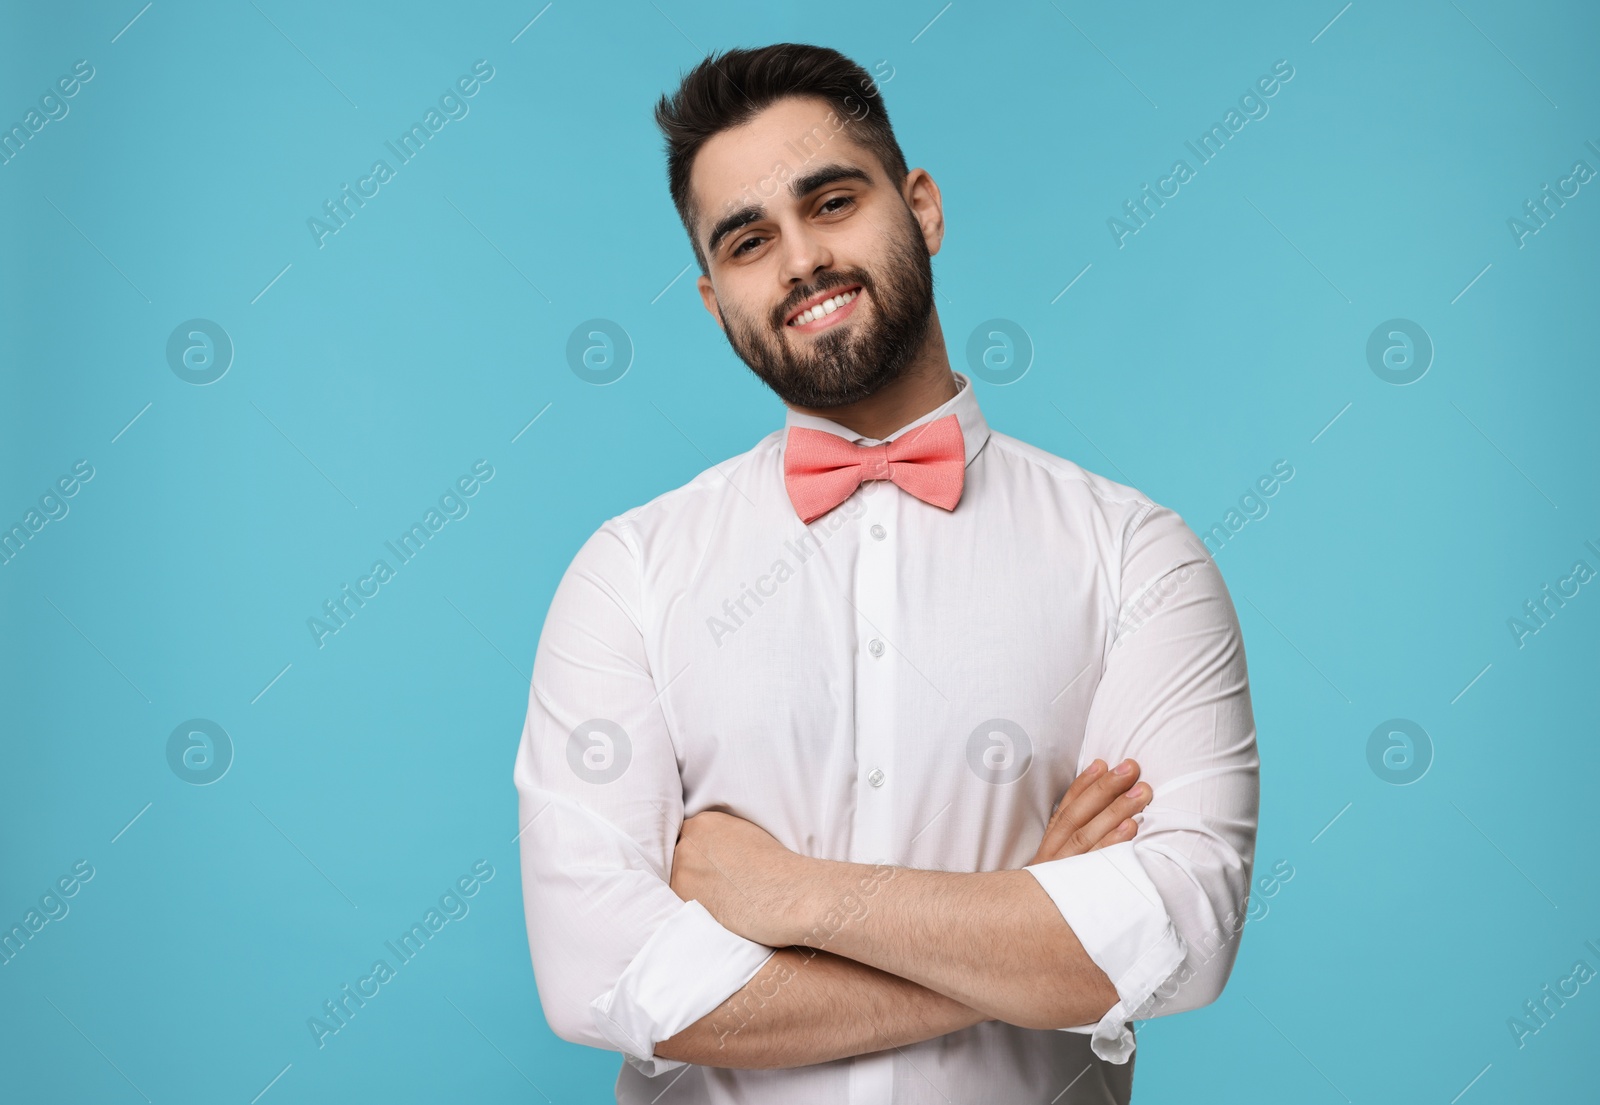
927, 207
709, 298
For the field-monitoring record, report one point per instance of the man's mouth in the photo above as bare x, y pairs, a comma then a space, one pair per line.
825, 311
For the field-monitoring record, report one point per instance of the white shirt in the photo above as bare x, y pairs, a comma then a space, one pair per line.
893, 682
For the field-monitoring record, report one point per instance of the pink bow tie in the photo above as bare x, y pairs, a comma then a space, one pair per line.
822, 470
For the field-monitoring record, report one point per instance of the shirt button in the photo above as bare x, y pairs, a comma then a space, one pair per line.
875, 647
875, 777
878, 532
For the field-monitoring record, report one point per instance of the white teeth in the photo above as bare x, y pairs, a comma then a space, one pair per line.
826, 307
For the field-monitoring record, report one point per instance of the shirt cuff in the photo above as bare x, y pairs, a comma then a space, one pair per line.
1117, 915
688, 967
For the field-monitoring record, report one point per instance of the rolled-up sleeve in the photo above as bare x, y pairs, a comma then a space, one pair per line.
1160, 914
620, 961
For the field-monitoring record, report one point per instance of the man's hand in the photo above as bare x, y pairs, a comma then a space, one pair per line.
739, 872
1096, 812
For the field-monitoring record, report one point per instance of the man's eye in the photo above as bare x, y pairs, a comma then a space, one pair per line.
827, 208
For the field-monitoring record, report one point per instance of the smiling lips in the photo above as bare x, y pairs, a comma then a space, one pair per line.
826, 312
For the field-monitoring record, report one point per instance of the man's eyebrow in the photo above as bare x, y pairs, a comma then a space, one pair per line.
799, 187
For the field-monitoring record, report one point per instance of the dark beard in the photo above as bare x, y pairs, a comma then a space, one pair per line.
850, 362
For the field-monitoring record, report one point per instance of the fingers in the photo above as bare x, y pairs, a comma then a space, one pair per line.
1124, 832
1087, 776
1093, 812
1117, 820
1090, 793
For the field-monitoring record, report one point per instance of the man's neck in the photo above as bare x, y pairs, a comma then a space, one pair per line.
926, 384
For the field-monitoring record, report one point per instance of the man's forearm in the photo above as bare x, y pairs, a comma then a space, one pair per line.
806, 1007
994, 940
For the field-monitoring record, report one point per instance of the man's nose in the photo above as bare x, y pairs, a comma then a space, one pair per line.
805, 254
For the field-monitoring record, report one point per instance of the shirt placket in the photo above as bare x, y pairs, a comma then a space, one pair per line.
876, 663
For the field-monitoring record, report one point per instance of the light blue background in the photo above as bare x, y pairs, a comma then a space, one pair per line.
1229, 333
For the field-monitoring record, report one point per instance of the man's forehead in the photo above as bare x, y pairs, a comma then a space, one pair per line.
753, 162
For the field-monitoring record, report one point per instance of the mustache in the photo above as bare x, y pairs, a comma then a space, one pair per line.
831, 280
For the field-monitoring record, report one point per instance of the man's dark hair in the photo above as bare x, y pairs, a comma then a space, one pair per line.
729, 90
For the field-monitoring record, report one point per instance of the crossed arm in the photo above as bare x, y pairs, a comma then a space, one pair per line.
925, 953
910, 954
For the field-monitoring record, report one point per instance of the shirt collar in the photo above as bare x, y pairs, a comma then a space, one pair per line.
963, 404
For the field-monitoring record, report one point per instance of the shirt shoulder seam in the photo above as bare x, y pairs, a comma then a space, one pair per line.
1008, 443
724, 469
